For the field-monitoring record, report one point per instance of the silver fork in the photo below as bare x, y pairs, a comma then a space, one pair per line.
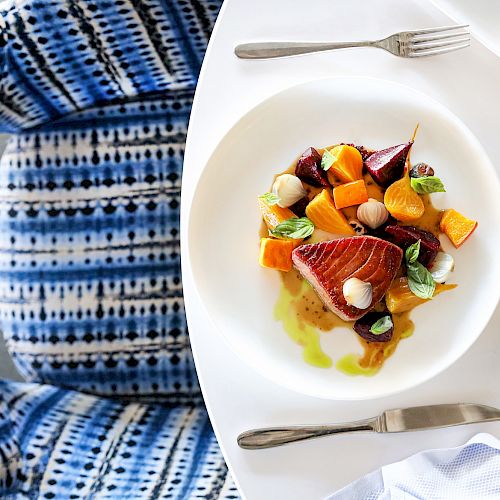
416, 43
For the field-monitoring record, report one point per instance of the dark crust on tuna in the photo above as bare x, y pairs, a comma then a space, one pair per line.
327, 265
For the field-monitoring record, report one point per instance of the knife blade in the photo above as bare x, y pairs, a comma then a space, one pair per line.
435, 416
397, 420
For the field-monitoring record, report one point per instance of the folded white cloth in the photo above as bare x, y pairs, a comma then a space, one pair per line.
471, 471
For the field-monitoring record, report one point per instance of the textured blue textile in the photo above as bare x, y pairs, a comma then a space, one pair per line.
98, 94
9, 451
80, 446
61, 56
90, 285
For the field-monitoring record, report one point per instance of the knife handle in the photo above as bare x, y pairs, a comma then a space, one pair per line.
270, 437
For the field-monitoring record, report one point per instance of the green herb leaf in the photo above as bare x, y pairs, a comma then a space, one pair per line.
327, 160
428, 184
295, 229
270, 198
420, 281
411, 254
382, 325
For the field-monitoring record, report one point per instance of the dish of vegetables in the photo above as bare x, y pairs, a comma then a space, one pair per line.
355, 236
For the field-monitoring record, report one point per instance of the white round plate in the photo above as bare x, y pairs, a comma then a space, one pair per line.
240, 296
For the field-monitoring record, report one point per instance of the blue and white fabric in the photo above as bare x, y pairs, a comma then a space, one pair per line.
61, 56
468, 472
90, 285
97, 96
86, 447
9, 451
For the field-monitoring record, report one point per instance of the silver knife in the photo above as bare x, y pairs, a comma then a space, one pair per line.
402, 420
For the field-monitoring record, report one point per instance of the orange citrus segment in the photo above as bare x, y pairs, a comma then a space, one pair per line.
322, 212
352, 193
348, 165
456, 226
276, 254
273, 214
402, 202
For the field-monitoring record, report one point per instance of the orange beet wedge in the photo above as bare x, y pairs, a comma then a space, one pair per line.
348, 165
273, 214
399, 298
323, 214
276, 254
402, 202
352, 193
456, 226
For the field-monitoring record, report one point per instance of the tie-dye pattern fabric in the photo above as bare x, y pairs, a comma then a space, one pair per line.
90, 283
76, 446
98, 93
62, 56
10, 464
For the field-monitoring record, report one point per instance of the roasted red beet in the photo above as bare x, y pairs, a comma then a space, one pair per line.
387, 165
309, 169
379, 232
299, 207
404, 236
363, 325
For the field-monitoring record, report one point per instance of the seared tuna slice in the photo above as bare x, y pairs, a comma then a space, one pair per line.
329, 264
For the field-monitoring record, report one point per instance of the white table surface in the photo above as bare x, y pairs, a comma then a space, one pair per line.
237, 398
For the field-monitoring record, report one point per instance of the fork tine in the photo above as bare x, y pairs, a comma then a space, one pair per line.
439, 51
437, 30
417, 40
437, 45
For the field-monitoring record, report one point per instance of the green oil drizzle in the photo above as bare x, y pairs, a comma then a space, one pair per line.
349, 364
303, 323
304, 335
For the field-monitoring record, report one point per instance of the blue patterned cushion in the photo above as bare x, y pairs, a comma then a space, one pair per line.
79, 446
90, 284
99, 94
62, 56
9, 451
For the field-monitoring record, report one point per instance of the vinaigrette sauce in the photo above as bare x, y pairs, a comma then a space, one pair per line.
305, 317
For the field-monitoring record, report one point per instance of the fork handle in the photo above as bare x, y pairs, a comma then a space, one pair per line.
270, 437
269, 50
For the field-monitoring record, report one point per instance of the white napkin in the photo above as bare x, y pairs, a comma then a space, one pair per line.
471, 471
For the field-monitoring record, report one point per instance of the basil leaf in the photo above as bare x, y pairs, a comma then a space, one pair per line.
382, 325
327, 160
295, 229
420, 281
428, 184
411, 254
270, 198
